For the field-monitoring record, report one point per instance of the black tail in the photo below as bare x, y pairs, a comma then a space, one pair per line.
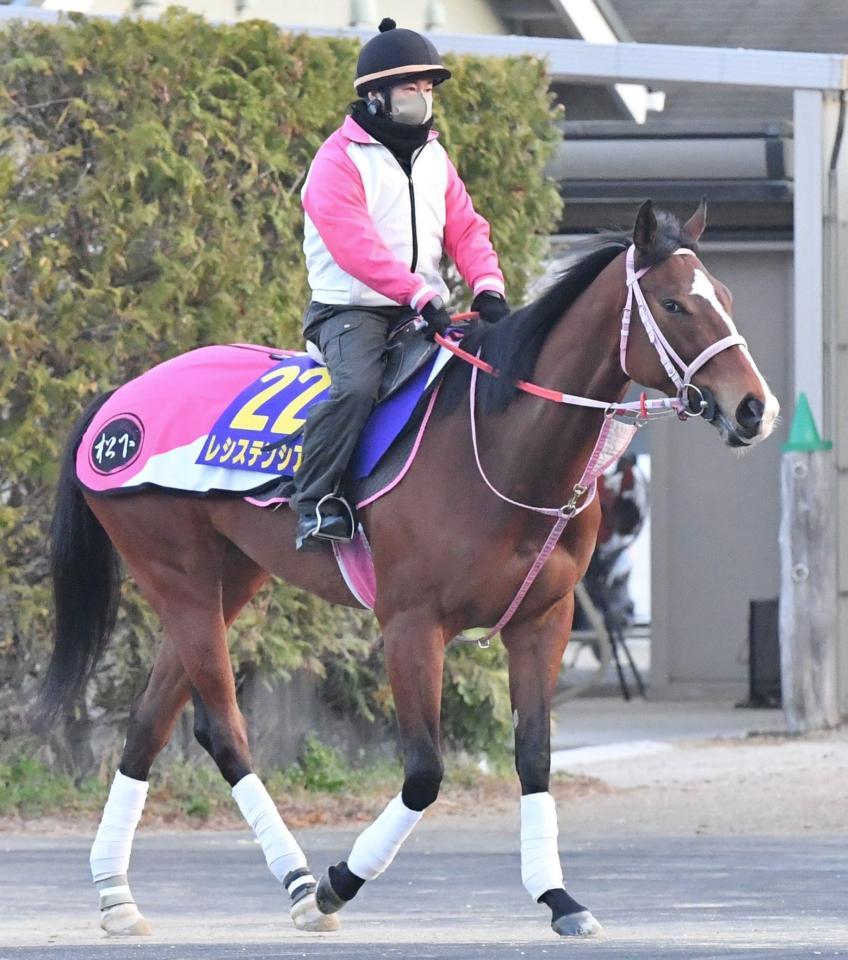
86, 585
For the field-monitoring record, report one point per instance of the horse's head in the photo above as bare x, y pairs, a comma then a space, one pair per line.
693, 311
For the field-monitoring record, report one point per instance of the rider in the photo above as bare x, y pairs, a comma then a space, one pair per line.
382, 203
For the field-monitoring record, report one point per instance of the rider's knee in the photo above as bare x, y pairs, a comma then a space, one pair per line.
421, 784
359, 393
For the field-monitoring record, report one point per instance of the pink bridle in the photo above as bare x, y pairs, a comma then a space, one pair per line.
609, 446
677, 370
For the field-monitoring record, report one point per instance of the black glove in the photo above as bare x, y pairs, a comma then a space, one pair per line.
437, 318
491, 306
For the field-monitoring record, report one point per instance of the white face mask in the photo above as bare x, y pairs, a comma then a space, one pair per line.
411, 108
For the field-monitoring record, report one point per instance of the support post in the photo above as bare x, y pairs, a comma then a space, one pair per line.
809, 269
820, 332
837, 365
808, 642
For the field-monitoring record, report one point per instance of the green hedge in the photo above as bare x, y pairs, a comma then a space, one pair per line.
149, 203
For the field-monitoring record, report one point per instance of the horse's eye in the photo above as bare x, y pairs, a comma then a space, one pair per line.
672, 306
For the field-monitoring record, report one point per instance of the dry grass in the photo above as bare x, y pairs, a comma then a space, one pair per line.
198, 798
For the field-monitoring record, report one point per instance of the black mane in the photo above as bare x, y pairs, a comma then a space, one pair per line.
513, 345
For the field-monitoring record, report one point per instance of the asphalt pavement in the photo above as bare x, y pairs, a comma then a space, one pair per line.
454, 891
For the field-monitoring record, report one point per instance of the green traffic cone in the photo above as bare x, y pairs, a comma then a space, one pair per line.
803, 435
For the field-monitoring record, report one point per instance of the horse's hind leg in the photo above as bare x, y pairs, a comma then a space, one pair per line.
535, 655
185, 588
414, 659
213, 593
151, 722
154, 715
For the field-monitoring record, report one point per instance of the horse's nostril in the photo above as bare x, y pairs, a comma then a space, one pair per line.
749, 413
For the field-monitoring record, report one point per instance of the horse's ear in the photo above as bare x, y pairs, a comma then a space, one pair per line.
694, 226
645, 231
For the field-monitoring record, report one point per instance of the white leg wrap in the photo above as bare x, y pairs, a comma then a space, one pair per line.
540, 866
110, 852
282, 851
376, 847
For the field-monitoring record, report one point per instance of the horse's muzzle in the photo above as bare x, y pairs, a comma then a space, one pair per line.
749, 417
746, 426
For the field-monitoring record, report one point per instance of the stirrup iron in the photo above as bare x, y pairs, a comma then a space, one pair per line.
346, 512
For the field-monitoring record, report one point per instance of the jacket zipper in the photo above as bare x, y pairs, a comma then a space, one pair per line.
414, 263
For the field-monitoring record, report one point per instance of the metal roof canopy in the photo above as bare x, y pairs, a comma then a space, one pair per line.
817, 80
647, 62
612, 63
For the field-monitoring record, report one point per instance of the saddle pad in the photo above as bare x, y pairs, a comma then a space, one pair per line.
225, 419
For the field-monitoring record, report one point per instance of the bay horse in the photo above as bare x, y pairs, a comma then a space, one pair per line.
451, 544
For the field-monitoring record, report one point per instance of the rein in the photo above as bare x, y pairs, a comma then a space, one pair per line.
643, 409
638, 412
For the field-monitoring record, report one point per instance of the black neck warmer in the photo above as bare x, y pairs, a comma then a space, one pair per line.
401, 138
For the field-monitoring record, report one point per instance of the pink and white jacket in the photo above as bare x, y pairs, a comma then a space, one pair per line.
375, 237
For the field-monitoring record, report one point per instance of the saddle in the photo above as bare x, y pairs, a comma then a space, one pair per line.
406, 352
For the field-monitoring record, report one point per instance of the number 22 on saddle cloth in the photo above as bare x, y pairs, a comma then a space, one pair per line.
260, 428
225, 419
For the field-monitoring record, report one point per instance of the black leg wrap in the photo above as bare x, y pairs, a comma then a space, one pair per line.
561, 903
338, 886
569, 918
345, 882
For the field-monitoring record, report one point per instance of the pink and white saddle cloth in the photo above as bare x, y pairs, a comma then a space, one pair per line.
228, 421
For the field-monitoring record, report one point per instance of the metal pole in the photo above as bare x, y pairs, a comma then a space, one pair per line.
809, 327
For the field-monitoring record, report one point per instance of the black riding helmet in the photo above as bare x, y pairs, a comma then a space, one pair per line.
395, 54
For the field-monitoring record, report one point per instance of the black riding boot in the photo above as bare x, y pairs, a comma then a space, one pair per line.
330, 519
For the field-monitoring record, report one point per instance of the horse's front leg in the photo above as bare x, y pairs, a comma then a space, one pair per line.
414, 650
535, 653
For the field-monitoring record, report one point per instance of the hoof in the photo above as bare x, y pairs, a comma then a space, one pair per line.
306, 916
581, 924
124, 920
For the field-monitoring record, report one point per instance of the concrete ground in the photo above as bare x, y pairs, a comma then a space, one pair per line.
452, 892
606, 720
683, 845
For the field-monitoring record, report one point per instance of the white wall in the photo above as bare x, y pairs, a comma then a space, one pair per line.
715, 515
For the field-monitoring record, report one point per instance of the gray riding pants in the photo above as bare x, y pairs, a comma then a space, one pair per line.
353, 342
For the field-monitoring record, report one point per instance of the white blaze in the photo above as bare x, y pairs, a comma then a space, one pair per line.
702, 287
